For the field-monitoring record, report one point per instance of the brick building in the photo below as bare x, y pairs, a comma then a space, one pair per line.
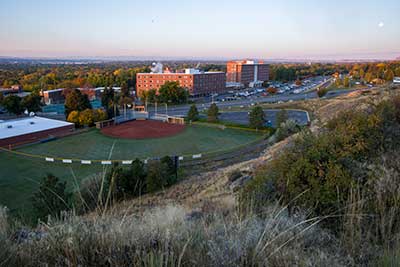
196, 82
250, 73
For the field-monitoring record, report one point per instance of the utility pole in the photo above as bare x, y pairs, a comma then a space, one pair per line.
166, 109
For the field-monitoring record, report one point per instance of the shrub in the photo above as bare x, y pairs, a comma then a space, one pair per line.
170, 170
286, 129
322, 92
156, 176
74, 117
319, 170
51, 197
86, 117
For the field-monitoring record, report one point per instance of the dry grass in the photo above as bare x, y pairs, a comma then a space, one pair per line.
170, 236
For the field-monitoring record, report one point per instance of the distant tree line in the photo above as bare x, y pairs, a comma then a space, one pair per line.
368, 71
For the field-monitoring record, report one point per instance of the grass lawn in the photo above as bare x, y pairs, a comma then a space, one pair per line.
19, 175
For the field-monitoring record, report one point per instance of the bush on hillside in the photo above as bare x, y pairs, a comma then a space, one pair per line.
319, 170
286, 129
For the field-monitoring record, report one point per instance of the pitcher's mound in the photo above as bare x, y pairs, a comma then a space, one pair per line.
143, 129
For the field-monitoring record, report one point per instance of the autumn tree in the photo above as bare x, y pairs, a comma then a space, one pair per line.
86, 117
346, 82
389, 75
75, 100
73, 117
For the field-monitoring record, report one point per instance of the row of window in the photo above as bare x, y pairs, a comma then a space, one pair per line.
164, 77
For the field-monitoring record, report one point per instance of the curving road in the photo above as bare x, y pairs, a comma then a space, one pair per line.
242, 117
248, 102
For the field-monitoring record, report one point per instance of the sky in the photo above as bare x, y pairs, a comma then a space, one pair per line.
208, 29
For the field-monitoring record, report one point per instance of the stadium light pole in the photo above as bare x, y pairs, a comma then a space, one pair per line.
166, 109
156, 108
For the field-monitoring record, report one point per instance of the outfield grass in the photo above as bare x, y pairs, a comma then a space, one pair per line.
19, 175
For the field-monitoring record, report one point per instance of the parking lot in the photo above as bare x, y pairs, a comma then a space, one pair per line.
283, 89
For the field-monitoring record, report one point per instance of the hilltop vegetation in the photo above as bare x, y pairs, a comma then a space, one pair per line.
327, 196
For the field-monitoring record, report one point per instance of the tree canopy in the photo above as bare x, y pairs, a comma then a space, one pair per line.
76, 101
212, 113
257, 118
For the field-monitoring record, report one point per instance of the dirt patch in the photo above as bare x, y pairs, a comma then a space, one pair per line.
143, 129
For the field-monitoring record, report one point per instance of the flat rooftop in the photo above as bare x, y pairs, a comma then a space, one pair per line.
180, 73
17, 127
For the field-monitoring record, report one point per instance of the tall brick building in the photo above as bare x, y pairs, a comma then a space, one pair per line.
196, 82
247, 72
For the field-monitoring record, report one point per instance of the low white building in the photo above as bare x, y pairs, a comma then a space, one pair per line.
396, 80
31, 129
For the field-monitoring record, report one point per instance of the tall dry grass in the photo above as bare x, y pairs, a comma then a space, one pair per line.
170, 236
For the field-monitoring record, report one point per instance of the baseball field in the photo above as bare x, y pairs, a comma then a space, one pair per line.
21, 174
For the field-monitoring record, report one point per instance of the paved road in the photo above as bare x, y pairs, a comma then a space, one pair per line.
242, 117
182, 110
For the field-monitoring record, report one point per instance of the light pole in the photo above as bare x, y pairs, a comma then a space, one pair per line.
166, 109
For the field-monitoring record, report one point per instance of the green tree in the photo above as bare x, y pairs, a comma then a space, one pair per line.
149, 96
257, 117
156, 174
193, 114
170, 170
281, 117
1, 98
172, 92
75, 100
109, 101
137, 183
32, 103
212, 113
51, 197
13, 104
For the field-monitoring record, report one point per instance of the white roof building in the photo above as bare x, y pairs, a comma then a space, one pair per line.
17, 127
